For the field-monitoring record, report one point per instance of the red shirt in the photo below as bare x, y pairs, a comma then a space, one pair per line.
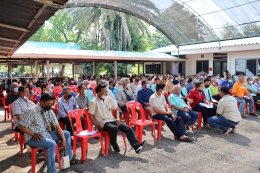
196, 97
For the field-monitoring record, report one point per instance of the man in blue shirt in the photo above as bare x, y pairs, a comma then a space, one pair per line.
144, 95
156, 80
184, 92
228, 82
207, 90
181, 109
189, 85
112, 88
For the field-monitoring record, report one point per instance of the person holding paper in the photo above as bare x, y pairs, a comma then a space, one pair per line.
242, 95
197, 96
228, 115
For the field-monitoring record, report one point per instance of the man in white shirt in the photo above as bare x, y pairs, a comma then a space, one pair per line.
135, 86
100, 110
228, 115
160, 111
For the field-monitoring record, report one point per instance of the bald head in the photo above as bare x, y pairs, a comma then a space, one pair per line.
176, 89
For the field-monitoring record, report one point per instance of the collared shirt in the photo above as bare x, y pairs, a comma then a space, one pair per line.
135, 88
51, 86
110, 94
19, 106
114, 91
73, 94
257, 85
89, 94
189, 87
227, 107
208, 93
214, 89
240, 89
184, 92
176, 101
65, 106
38, 120
144, 95
157, 101
196, 96
102, 110
82, 101
252, 88
122, 99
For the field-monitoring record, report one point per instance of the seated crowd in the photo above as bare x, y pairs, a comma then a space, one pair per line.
41, 111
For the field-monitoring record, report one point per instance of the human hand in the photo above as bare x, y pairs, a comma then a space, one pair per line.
37, 136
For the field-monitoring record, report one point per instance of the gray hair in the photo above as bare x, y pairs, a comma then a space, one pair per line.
65, 89
123, 81
175, 87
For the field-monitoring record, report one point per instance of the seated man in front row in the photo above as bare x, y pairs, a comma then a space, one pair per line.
181, 109
228, 115
160, 111
144, 95
100, 110
42, 130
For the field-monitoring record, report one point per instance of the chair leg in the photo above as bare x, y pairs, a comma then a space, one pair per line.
83, 149
74, 145
199, 120
16, 136
101, 145
140, 138
153, 132
124, 139
33, 155
159, 131
22, 141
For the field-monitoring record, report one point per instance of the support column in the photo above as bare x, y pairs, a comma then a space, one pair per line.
94, 68
42, 69
143, 68
9, 65
36, 71
138, 69
48, 69
73, 71
115, 69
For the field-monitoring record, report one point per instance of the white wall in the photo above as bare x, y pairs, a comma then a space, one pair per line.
190, 68
232, 56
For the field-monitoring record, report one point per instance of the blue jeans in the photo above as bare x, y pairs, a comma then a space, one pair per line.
188, 117
176, 127
242, 103
50, 146
221, 122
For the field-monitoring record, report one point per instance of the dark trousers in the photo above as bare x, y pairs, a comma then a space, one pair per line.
112, 128
18, 130
206, 112
66, 121
176, 126
217, 97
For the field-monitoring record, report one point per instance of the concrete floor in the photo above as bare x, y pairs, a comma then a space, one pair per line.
211, 152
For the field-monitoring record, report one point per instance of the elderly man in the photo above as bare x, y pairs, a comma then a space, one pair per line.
20, 105
181, 109
42, 130
13, 95
242, 95
160, 111
65, 104
100, 110
81, 99
228, 115
124, 95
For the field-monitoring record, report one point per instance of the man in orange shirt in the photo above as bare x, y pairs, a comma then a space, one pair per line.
242, 95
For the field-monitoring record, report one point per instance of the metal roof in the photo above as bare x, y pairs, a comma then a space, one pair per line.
20, 19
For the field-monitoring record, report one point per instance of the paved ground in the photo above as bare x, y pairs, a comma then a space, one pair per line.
211, 152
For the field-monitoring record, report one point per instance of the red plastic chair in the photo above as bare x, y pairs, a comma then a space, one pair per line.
34, 153
77, 114
36, 90
56, 91
199, 120
139, 123
16, 134
6, 109
107, 139
33, 98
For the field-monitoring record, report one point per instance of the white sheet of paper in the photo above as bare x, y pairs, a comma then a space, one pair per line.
87, 133
206, 105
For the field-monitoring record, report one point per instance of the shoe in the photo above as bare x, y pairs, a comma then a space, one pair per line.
233, 130
253, 114
116, 148
207, 126
244, 116
186, 139
225, 132
140, 148
187, 127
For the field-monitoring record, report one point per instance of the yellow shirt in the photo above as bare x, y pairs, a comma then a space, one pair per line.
240, 89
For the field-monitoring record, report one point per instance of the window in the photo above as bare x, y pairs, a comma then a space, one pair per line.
250, 67
153, 69
202, 66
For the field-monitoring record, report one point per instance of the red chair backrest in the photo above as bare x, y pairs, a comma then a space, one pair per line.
33, 98
132, 106
36, 90
166, 97
10, 109
77, 114
231, 92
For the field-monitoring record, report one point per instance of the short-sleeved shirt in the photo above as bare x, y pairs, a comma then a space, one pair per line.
65, 106
196, 97
19, 106
176, 101
157, 101
214, 89
154, 88
227, 107
184, 92
82, 101
252, 88
89, 94
102, 110
240, 89
208, 93
37, 120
